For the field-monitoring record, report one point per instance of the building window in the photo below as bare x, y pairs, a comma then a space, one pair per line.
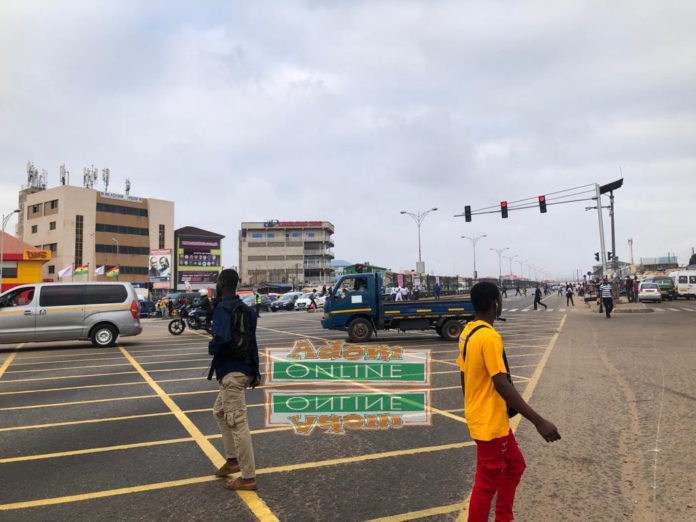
295, 234
53, 204
310, 234
36, 209
121, 249
120, 209
52, 225
9, 269
161, 236
257, 235
120, 229
34, 229
51, 269
79, 229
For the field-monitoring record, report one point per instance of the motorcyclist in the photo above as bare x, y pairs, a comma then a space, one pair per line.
204, 310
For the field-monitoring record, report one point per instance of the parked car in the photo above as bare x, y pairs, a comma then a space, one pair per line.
685, 283
286, 302
100, 312
649, 292
666, 286
302, 302
147, 309
250, 301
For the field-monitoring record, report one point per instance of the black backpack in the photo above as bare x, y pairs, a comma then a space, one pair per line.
241, 345
510, 411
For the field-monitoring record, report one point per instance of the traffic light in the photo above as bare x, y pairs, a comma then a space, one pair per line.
358, 269
503, 209
609, 256
596, 256
467, 213
542, 204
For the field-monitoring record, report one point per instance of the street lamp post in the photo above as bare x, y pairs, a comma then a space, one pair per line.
500, 251
418, 217
5, 220
474, 240
510, 259
522, 265
116, 241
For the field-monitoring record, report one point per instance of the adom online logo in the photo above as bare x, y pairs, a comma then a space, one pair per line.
372, 387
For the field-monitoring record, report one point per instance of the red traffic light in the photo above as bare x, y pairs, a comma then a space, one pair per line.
503, 203
542, 198
542, 204
503, 209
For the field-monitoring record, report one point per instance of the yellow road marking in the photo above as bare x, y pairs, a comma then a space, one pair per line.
72, 403
440, 510
294, 334
257, 506
363, 458
106, 365
526, 395
87, 421
351, 310
6, 363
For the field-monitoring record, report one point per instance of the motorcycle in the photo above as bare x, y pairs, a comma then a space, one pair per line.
195, 318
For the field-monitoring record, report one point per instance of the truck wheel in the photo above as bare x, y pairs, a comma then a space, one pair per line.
359, 330
104, 335
451, 330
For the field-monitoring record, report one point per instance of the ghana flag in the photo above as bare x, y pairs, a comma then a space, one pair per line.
113, 272
82, 269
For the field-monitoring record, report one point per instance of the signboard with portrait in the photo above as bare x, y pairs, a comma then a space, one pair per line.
160, 267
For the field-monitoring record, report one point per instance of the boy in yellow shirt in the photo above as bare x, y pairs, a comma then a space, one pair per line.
489, 401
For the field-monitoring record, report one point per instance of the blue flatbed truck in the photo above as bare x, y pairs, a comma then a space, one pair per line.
356, 305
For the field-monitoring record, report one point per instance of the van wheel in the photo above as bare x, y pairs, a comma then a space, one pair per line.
359, 330
104, 336
451, 330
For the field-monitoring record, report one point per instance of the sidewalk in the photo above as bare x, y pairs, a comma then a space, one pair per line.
621, 394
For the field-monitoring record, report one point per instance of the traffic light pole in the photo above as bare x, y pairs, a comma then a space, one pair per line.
601, 229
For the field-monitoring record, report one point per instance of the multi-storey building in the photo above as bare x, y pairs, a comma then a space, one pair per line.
82, 226
295, 252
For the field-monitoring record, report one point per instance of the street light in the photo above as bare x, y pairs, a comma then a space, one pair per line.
418, 218
500, 251
510, 258
522, 264
116, 241
474, 240
5, 220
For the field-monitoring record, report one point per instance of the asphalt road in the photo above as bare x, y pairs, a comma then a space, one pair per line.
127, 433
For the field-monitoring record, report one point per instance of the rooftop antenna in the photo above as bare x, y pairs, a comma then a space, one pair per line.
128, 186
32, 175
64, 175
106, 174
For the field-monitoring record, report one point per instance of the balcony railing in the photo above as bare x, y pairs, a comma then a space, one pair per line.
318, 252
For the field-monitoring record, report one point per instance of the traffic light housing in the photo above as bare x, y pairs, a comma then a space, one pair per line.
358, 269
542, 204
503, 209
596, 256
467, 213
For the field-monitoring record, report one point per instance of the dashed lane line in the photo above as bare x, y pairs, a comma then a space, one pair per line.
6, 363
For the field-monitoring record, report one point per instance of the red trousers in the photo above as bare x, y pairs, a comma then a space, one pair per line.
499, 467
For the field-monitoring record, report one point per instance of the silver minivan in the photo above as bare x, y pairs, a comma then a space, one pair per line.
40, 312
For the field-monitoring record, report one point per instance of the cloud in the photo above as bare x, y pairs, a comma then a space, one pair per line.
353, 111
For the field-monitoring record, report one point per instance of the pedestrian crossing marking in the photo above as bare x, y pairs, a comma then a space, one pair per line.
688, 309
561, 309
674, 309
549, 310
658, 309
513, 310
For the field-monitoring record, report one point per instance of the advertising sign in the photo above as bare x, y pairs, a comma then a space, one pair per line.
199, 259
160, 267
36, 255
197, 277
207, 244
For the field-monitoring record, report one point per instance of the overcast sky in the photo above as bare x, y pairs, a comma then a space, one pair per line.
350, 111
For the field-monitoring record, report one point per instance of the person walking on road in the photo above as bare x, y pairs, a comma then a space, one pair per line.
517, 290
537, 298
504, 290
605, 290
489, 401
569, 295
236, 367
258, 300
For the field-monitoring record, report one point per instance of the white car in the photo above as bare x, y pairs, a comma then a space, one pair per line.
649, 292
303, 301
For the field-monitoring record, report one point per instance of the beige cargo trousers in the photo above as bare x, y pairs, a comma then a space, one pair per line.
230, 412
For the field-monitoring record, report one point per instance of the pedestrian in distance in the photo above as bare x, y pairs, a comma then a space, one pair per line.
312, 301
170, 307
258, 301
437, 289
537, 298
605, 290
504, 290
236, 367
569, 295
490, 400
517, 291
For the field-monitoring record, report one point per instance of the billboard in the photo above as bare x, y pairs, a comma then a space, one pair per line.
198, 277
160, 267
198, 261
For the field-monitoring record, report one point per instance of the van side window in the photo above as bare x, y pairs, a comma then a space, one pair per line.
62, 295
20, 297
683, 279
105, 294
692, 280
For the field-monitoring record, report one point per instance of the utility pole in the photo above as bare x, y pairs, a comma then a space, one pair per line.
603, 254
418, 218
510, 258
630, 244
